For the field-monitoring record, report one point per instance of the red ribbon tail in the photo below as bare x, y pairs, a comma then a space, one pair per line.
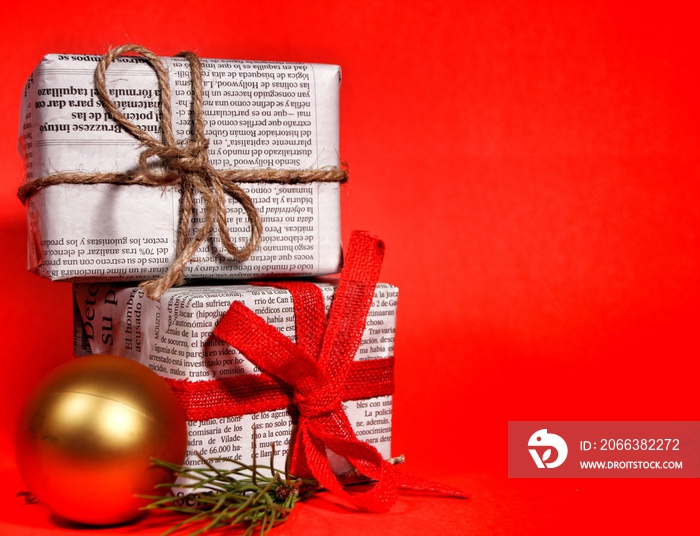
366, 459
408, 481
380, 498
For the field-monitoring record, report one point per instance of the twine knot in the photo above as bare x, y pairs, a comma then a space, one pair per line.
192, 158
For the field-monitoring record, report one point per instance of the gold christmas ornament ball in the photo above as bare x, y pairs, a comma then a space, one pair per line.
87, 434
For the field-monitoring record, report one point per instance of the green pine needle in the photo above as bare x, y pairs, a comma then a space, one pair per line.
252, 497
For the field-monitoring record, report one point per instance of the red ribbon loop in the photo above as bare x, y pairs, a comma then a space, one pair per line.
316, 367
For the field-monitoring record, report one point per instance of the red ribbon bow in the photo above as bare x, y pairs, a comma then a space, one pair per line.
316, 366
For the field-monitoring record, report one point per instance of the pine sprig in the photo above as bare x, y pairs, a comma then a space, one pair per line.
251, 497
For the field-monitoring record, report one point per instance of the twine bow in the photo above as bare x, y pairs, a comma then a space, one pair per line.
315, 367
189, 166
186, 166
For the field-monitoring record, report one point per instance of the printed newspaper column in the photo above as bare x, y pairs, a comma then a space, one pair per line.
173, 336
267, 115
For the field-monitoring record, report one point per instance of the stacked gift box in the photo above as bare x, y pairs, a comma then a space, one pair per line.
121, 201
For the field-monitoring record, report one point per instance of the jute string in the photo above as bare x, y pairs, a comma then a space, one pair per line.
186, 167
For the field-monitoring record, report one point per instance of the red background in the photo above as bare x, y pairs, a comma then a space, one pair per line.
533, 168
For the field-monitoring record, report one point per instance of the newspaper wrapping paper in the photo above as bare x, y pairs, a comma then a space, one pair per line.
257, 115
173, 336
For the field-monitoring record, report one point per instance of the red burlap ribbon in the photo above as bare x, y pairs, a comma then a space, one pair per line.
255, 393
316, 368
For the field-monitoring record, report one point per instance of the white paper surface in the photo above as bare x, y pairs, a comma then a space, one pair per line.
257, 115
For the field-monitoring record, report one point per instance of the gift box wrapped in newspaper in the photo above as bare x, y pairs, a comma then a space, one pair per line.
136, 163
249, 359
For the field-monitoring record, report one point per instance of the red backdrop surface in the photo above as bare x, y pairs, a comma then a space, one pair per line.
534, 170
